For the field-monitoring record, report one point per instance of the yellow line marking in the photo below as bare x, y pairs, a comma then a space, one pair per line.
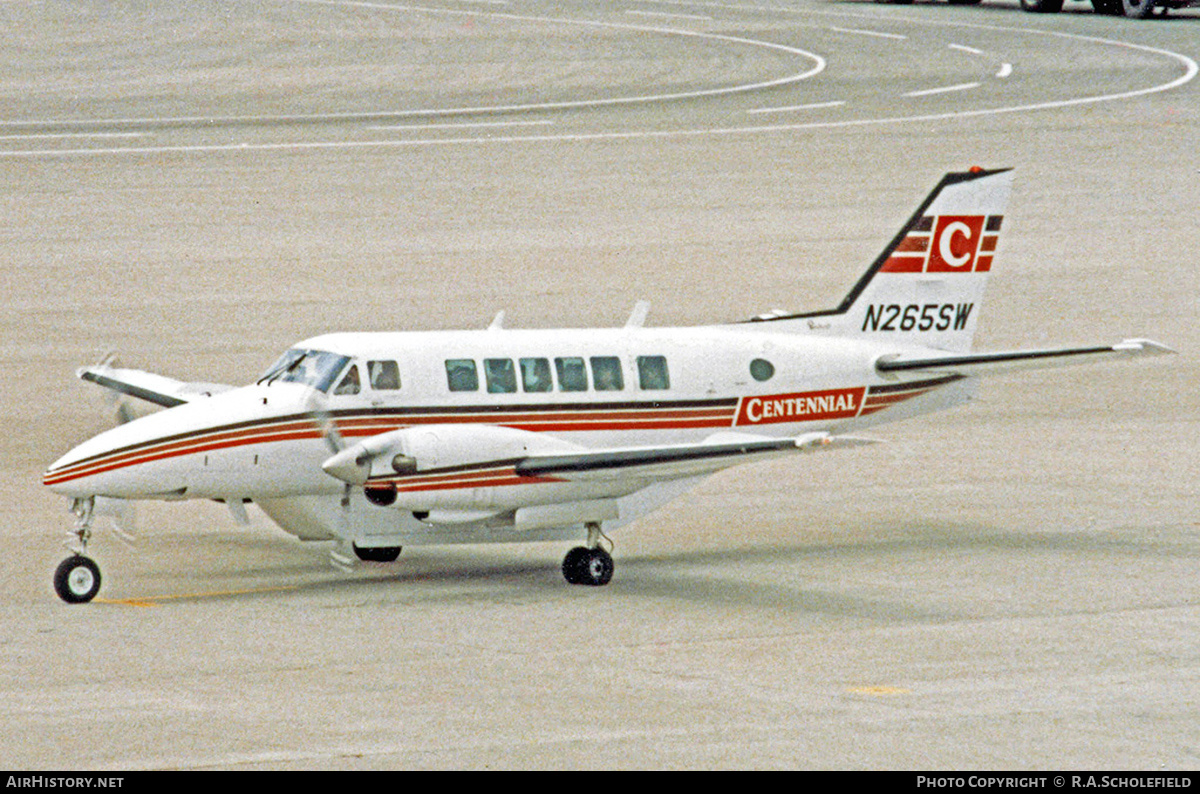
129, 602
878, 691
153, 601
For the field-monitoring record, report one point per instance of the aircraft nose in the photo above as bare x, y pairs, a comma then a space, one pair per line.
80, 472
64, 475
105, 465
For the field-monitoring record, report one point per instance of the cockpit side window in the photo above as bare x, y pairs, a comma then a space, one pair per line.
350, 383
384, 375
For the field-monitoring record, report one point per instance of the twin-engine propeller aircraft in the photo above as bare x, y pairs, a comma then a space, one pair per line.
379, 440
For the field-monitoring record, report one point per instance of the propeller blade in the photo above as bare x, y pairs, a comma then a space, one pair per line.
324, 421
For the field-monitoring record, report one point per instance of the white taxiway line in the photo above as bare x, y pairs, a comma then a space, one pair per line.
23, 136
467, 125
964, 48
877, 33
665, 15
813, 106
943, 90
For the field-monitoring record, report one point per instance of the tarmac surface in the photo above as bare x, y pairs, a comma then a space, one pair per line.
1012, 585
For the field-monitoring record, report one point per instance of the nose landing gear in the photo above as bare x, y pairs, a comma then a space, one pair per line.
77, 578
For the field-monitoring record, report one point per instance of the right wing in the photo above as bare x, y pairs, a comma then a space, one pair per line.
157, 389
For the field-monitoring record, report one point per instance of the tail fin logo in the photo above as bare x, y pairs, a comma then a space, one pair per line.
946, 244
955, 242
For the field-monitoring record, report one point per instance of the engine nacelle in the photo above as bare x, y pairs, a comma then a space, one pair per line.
402, 456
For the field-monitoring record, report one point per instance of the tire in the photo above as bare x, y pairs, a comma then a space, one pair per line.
1138, 9
572, 565
1042, 6
77, 580
378, 553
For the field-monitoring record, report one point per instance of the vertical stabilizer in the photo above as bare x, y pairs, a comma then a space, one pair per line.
927, 286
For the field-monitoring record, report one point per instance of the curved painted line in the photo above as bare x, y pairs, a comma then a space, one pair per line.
1191, 68
382, 115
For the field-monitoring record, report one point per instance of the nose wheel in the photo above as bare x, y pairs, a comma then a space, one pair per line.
589, 565
77, 578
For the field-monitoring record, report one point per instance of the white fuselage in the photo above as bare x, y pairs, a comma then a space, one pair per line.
566, 389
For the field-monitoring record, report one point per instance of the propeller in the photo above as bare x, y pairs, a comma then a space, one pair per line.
342, 555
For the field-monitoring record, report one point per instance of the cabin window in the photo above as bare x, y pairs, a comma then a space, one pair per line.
350, 383
761, 369
606, 373
652, 373
501, 375
461, 374
384, 375
572, 374
535, 374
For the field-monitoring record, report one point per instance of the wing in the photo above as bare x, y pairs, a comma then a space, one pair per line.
1018, 360
675, 461
147, 386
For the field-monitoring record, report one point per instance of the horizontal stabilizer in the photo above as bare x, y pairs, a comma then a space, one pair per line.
147, 386
1015, 361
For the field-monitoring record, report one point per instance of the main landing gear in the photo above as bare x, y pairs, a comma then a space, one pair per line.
590, 565
77, 578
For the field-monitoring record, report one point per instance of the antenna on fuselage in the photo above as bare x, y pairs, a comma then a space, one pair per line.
497, 321
637, 318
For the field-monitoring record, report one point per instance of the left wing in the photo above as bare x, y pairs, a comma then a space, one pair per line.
973, 364
682, 460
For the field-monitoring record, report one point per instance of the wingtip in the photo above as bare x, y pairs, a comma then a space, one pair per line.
1144, 347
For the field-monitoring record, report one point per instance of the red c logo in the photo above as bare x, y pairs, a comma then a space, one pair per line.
955, 243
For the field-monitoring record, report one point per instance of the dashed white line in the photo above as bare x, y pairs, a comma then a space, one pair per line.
964, 48
943, 90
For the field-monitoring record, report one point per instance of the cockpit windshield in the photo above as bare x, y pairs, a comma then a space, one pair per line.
315, 368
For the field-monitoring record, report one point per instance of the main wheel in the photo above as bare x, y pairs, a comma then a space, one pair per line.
77, 580
592, 567
378, 553
1042, 6
1138, 9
